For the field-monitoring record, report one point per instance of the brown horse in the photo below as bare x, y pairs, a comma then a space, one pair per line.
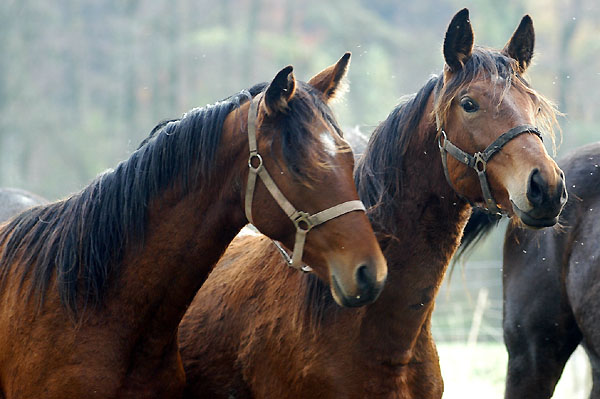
550, 285
249, 333
94, 287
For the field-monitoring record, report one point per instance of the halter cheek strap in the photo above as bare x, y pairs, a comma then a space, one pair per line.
479, 160
303, 221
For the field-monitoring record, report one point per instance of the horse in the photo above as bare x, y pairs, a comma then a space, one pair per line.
549, 285
93, 287
13, 201
295, 342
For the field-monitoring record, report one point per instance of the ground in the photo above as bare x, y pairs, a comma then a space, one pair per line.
479, 371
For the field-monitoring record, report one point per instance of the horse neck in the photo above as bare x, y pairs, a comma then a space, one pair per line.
184, 238
432, 218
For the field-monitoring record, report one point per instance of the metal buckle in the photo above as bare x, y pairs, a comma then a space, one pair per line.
253, 156
306, 269
479, 161
442, 134
301, 221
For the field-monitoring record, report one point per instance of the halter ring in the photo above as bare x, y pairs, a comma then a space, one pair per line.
442, 134
260, 162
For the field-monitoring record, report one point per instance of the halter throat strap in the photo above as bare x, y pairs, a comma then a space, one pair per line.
303, 221
479, 160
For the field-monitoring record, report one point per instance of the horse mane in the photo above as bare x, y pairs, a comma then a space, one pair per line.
378, 174
83, 238
318, 306
479, 226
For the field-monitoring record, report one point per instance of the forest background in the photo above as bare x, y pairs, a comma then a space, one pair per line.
83, 82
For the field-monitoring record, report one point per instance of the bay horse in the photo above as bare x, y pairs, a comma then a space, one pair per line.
251, 334
550, 285
14, 200
93, 287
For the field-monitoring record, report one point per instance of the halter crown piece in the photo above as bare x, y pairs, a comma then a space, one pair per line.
479, 160
303, 221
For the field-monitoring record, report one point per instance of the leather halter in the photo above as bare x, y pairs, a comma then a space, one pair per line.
303, 221
479, 160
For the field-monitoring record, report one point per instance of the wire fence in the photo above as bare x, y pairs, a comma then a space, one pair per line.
469, 304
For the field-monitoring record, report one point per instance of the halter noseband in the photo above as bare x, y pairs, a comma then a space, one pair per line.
303, 221
479, 160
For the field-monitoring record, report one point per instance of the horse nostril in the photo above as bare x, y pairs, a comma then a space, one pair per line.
563, 196
536, 188
364, 278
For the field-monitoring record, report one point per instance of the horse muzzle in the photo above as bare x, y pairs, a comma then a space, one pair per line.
364, 289
546, 203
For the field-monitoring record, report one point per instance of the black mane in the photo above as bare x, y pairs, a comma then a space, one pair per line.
82, 239
378, 174
479, 226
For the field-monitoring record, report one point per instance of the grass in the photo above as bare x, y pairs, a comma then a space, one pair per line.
479, 372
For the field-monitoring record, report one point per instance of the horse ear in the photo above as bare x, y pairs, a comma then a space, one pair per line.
280, 91
330, 81
520, 45
458, 43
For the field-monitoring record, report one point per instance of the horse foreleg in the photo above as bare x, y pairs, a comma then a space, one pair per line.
534, 373
539, 343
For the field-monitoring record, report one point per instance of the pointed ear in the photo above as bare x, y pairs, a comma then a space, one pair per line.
330, 81
520, 45
280, 91
458, 43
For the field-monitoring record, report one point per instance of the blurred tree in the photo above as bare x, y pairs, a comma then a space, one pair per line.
81, 83
568, 26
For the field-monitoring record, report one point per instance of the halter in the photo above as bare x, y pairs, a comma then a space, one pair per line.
303, 221
479, 160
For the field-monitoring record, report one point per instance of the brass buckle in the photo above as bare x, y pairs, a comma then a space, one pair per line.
301, 221
479, 161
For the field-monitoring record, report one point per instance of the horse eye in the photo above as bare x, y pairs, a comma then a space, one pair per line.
468, 104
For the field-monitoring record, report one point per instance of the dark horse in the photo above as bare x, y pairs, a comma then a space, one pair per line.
281, 335
13, 201
94, 287
551, 279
